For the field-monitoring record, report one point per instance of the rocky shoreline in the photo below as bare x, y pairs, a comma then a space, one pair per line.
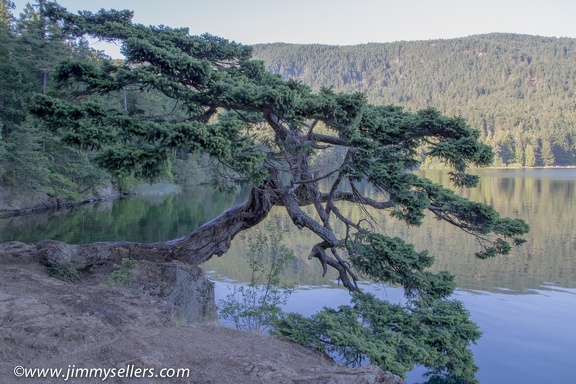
11, 206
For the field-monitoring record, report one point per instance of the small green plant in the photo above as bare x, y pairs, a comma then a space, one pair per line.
66, 272
256, 305
122, 273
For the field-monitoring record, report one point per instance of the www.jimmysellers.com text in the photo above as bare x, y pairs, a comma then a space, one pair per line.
73, 372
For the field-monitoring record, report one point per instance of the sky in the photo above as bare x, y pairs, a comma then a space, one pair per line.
345, 22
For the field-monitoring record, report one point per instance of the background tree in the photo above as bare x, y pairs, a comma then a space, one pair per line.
529, 156
264, 132
36, 163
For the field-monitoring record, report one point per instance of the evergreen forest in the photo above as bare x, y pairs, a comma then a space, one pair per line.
518, 90
33, 161
36, 163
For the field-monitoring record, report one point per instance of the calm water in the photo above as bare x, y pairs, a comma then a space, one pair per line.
524, 303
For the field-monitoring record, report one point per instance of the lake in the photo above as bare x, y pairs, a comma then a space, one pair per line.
524, 303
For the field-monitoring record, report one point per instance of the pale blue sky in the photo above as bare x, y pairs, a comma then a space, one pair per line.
346, 22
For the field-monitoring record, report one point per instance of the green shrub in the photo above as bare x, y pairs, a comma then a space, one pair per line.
66, 272
123, 273
256, 305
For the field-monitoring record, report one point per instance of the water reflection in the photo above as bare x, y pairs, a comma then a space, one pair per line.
544, 198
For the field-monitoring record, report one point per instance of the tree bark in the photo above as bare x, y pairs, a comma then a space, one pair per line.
214, 237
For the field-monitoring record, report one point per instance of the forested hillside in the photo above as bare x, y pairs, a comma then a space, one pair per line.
519, 90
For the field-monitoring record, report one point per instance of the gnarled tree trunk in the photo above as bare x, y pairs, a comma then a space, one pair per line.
212, 238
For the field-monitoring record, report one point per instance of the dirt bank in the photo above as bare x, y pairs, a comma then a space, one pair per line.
49, 323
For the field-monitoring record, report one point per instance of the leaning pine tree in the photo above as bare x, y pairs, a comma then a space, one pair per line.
262, 132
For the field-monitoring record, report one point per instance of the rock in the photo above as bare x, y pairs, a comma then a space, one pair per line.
17, 252
59, 254
184, 287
